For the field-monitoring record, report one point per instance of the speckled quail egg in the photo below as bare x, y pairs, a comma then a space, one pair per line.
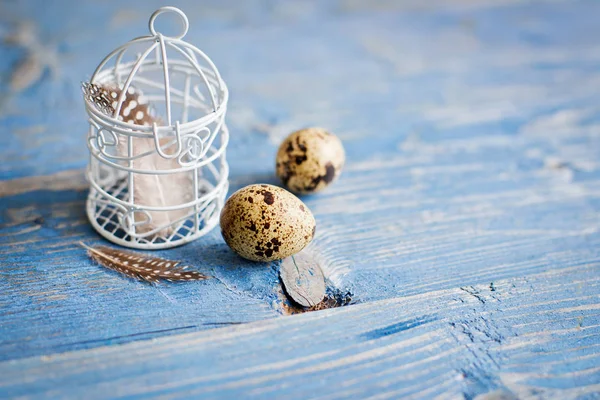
310, 159
264, 223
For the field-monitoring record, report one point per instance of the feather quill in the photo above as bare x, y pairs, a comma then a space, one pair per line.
151, 190
141, 267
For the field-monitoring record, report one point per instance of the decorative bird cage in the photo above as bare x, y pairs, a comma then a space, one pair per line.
157, 140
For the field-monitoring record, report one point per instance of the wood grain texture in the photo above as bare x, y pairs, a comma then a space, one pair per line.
471, 135
534, 337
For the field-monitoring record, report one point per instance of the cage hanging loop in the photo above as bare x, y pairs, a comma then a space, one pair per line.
184, 21
159, 149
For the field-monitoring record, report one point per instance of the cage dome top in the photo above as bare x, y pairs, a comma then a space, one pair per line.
176, 77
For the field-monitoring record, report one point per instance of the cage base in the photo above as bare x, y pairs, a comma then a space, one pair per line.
105, 218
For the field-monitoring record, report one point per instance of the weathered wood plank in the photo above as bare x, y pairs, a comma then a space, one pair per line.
512, 336
408, 256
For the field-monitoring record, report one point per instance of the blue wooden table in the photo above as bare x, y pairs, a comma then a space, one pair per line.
464, 229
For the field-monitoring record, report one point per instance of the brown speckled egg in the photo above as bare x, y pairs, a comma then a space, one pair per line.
265, 223
310, 159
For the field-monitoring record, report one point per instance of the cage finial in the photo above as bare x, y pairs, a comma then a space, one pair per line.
182, 16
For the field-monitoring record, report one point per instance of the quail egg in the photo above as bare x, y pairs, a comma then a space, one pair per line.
264, 223
310, 159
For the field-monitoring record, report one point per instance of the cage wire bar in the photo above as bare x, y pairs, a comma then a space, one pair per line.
185, 148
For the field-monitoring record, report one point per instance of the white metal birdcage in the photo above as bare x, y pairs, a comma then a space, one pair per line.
162, 183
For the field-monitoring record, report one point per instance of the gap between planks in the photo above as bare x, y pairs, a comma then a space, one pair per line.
72, 179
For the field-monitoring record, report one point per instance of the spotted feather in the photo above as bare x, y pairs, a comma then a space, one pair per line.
134, 110
99, 97
142, 267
